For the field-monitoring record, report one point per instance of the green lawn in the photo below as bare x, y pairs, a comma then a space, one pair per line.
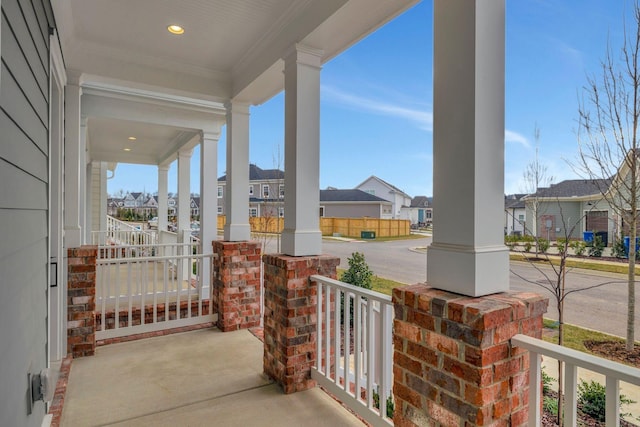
380, 284
585, 263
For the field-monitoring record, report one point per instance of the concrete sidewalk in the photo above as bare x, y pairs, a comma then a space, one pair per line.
199, 378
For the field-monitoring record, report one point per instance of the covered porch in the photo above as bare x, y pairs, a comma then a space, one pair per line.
197, 378
449, 359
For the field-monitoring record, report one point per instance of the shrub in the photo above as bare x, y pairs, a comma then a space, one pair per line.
527, 246
550, 404
547, 381
560, 243
596, 247
358, 273
543, 245
618, 250
390, 405
592, 396
578, 247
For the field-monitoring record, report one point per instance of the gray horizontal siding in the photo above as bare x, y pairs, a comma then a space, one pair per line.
24, 113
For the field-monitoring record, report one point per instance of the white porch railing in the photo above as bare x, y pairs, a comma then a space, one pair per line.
613, 372
356, 363
145, 288
122, 233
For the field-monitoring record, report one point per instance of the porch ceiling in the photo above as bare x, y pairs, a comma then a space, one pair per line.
121, 51
227, 44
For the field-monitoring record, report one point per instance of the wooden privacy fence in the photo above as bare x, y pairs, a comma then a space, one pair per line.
348, 227
352, 227
259, 224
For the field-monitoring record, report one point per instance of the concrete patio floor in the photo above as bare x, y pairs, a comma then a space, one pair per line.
198, 378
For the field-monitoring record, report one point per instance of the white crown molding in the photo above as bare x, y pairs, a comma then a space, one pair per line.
111, 90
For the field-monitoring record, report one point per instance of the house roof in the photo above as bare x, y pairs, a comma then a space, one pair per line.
421, 202
573, 188
514, 201
391, 186
258, 174
335, 195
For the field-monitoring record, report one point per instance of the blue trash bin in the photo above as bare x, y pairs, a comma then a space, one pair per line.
587, 236
626, 245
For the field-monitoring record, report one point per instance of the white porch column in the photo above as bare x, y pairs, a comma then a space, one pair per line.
74, 167
236, 199
97, 199
184, 191
85, 180
468, 255
163, 191
301, 235
208, 198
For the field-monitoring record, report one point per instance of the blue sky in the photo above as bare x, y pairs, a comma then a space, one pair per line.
377, 99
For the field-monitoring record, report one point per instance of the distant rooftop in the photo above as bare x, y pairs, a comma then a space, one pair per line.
335, 195
258, 174
574, 188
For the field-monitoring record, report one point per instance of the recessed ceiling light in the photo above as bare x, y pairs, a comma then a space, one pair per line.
127, 149
132, 138
175, 29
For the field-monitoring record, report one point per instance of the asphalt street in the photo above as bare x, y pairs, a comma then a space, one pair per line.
602, 308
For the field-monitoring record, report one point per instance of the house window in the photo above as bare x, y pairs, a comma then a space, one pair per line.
220, 210
219, 191
281, 212
265, 191
171, 202
281, 191
321, 211
251, 190
253, 212
372, 192
521, 218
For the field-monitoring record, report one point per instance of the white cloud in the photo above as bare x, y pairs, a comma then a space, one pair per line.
511, 136
423, 119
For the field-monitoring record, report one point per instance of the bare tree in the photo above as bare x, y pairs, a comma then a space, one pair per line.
553, 281
609, 110
535, 176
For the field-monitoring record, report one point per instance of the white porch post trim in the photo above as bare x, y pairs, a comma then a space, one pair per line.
301, 235
74, 168
468, 255
184, 191
102, 211
163, 191
208, 198
236, 205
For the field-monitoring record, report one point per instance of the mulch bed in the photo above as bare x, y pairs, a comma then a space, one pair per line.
612, 350
616, 351
550, 420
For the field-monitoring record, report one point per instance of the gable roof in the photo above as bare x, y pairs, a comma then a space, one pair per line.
421, 202
514, 201
573, 188
258, 174
382, 181
335, 195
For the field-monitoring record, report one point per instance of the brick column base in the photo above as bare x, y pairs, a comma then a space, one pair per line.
290, 317
453, 363
81, 301
235, 290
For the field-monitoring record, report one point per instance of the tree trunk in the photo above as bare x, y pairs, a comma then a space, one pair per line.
631, 306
